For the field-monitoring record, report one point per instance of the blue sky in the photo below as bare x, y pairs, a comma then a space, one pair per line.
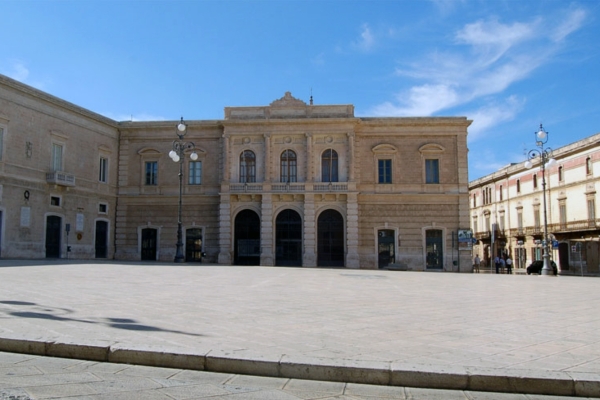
507, 65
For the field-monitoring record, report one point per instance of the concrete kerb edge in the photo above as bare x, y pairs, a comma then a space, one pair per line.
555, 383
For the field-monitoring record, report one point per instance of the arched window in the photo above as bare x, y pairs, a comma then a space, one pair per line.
247, 167
588, 165
329, 166
288, 166
535, 181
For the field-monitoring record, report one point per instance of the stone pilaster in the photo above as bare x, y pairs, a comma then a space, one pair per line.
225, 238
352, 259
309, 258
309, 158
267, 157
351, 156
266, 231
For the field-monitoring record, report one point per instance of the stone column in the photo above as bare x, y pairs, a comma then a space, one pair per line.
352, 259
266, 231
309, 258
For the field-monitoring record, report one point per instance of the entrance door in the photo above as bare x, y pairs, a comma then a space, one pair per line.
386, 247
101, 239
53, 231
330, 239
246, 246
0, 233
591, 255
149, 236
288, 238
193, 245
563, 256
434, 249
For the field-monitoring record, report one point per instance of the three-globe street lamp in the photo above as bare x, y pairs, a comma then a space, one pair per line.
546, 160
178, 156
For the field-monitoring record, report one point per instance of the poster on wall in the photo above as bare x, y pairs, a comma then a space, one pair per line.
465, 239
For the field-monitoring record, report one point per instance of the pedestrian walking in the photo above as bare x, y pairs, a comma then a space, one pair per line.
509, 264
502, 264
497, 262
476, 263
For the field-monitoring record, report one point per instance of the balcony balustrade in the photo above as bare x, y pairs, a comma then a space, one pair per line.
60, 178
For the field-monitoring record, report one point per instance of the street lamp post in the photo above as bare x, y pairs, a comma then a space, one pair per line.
178, 156
546, 160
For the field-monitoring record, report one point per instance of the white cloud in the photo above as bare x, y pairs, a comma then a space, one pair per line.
568, 25
497, 55
493, 114
18, 72
367, 39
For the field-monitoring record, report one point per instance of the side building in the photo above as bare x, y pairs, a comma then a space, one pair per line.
58, 177
507, 210
289, 183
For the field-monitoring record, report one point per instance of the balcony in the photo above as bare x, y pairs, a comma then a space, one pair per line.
575, 226
487, 235
60, 178
291, 187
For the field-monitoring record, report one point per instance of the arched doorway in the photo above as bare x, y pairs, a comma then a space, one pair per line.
193, 245
434, 249
330, 239
246, 246
288, 238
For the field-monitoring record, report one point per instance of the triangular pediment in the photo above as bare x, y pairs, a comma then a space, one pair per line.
288, 101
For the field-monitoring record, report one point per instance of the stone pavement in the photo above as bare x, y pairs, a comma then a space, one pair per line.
27, 377
466, 333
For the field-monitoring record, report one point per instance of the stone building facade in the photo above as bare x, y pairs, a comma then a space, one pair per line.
507, 210
289, 183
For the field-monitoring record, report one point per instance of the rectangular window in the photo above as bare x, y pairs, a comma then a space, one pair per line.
195, 173
1, 141
591, 203
55, 201
385, 171
151, 173
102, 208
520, 220
57, 157
103, 169
536, 218
562, 214
432, 171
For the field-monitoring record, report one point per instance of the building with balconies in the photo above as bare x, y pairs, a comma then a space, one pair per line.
286, 184
507, 210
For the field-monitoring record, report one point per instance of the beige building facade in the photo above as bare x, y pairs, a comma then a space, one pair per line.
507, 210
287, 184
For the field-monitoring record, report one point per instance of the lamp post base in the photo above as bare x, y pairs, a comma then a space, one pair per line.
547, 269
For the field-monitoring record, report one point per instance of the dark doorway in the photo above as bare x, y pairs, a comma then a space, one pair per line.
288, 239
330, 239
0, 233
563, 256
53, 234
193, 245
149, 236
101, 239
434, 249
247, 239
386, 247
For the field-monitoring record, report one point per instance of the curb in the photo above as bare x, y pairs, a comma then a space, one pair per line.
555, 383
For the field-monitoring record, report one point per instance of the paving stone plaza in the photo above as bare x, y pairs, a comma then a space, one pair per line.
287, 333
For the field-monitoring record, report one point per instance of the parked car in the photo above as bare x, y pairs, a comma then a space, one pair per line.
536, 267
